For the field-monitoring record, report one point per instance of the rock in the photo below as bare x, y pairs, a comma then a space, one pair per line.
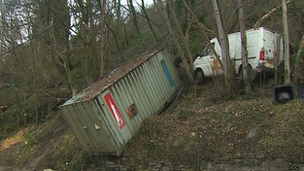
280, 163
209, 165
175, 144
252, 133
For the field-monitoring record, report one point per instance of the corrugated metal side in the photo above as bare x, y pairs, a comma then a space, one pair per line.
144, 91
146, 87
87, 126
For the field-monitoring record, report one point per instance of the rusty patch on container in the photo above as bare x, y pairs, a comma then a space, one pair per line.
132, 111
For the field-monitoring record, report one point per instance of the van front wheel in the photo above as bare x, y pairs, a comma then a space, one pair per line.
200, 77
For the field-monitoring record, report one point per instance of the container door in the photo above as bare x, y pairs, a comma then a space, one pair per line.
71, 116
79, 117
91, 125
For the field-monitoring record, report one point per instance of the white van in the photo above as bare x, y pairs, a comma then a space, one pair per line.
262, 45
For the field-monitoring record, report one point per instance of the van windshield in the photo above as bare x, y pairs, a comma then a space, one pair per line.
208, 50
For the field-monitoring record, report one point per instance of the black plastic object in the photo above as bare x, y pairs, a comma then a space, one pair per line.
300, 88
283, 93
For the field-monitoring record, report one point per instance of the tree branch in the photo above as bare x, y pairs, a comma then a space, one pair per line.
266, 16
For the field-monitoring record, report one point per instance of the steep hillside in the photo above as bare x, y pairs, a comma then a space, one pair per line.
210, 126
198, 125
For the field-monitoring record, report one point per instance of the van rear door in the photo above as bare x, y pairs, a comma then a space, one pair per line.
269, 48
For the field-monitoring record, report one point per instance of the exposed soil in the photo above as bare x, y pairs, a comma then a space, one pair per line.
11, 141
40, 147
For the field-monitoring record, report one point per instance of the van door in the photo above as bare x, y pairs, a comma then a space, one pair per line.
269, 44
204, 61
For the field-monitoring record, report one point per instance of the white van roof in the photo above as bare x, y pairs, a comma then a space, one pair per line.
247, 31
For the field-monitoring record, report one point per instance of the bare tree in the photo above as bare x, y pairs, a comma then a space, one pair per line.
244, 52
179, 48
87, 30
286, 41
33, 58
59, 38
102, 4
134, 17
271, 12
178, 27
204, 31
277, 60
147, 17
1, 32
223, 39
298, 60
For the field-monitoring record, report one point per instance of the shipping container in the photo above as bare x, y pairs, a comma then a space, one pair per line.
107, 114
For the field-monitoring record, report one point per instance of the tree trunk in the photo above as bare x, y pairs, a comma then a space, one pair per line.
147, 17
115, 41
86, 13
286, 46
34, 74
94, 59
67, 69
298, 60
118, 13
203, 28
1, 32
190, 63
133, 12
179, 48
277, 59
244, 47
63, 50
223, 39
126, 35
91, 44
103, 35
118, 22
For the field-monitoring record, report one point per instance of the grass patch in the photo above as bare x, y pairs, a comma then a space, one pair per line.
29, 142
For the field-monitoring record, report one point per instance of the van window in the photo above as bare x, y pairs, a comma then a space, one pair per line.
208, 50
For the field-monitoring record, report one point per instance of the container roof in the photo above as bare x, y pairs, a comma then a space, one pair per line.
100, 85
